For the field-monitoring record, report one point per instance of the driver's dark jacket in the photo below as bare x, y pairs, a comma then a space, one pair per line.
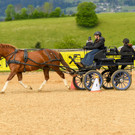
98, 44
127, 49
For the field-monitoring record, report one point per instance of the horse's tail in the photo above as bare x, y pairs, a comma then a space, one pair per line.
65, 64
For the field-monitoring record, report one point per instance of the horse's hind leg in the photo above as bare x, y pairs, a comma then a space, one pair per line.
19, 75
46, 74
61, 74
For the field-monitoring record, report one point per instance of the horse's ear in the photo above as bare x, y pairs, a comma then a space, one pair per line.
130, 45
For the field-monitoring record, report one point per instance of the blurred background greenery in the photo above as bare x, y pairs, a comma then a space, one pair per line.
51, 32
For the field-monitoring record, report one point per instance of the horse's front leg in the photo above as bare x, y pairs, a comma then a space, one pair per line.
19, 75
11, 75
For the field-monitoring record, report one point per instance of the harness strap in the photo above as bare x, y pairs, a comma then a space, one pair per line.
25, 58
14, 61
62, 67
47, 54
44, 63
54, 54
25, 55
12, 54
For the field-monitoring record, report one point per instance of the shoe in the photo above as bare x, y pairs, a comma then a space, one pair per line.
80, 64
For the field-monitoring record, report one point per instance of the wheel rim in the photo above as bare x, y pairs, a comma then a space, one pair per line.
78, 82
121, 80
107, 80
90, 78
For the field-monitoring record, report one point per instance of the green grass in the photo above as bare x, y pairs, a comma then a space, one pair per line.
24, 34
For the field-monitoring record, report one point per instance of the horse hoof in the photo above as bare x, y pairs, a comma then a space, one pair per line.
39, 90
2, 92
68, 87
29, 87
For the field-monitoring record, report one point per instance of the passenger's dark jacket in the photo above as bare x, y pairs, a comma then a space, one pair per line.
127, 49
89, 44
98, 44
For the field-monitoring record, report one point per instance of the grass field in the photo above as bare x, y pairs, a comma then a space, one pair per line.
25, 33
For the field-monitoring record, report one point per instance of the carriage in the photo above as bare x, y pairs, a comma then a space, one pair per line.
108, 70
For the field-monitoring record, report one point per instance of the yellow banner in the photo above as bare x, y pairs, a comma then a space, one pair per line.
3, 65
79, 55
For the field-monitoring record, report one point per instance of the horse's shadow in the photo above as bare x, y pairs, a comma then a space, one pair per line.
39, 92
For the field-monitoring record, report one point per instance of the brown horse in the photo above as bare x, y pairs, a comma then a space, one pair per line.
21, 60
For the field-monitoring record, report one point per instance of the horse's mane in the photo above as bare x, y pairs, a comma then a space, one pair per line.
7, 46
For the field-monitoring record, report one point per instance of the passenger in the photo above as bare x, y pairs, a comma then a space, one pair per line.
89, 42
95, 47
126, 48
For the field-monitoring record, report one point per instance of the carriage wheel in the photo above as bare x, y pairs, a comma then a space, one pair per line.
78, 82
107, 83
121, 80
90, 77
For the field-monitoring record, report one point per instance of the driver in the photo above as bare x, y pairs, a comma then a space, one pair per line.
95, 47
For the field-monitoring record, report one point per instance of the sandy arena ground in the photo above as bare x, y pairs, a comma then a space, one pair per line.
59, 111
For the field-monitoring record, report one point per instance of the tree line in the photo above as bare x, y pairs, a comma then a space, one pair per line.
63, 4
45, 11
38, 11
85, 15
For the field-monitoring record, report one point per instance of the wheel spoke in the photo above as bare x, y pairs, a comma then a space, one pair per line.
78, 82
107, 84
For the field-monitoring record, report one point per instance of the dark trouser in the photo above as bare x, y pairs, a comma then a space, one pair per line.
89, 57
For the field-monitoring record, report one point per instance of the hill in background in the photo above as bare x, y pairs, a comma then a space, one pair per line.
26, 33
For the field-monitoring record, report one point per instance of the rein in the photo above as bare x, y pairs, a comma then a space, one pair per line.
45, 63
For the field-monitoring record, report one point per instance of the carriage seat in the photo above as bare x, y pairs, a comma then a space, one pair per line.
112, 51
100, 54
126, 61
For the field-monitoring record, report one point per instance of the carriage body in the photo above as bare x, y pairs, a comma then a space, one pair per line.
108, 69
